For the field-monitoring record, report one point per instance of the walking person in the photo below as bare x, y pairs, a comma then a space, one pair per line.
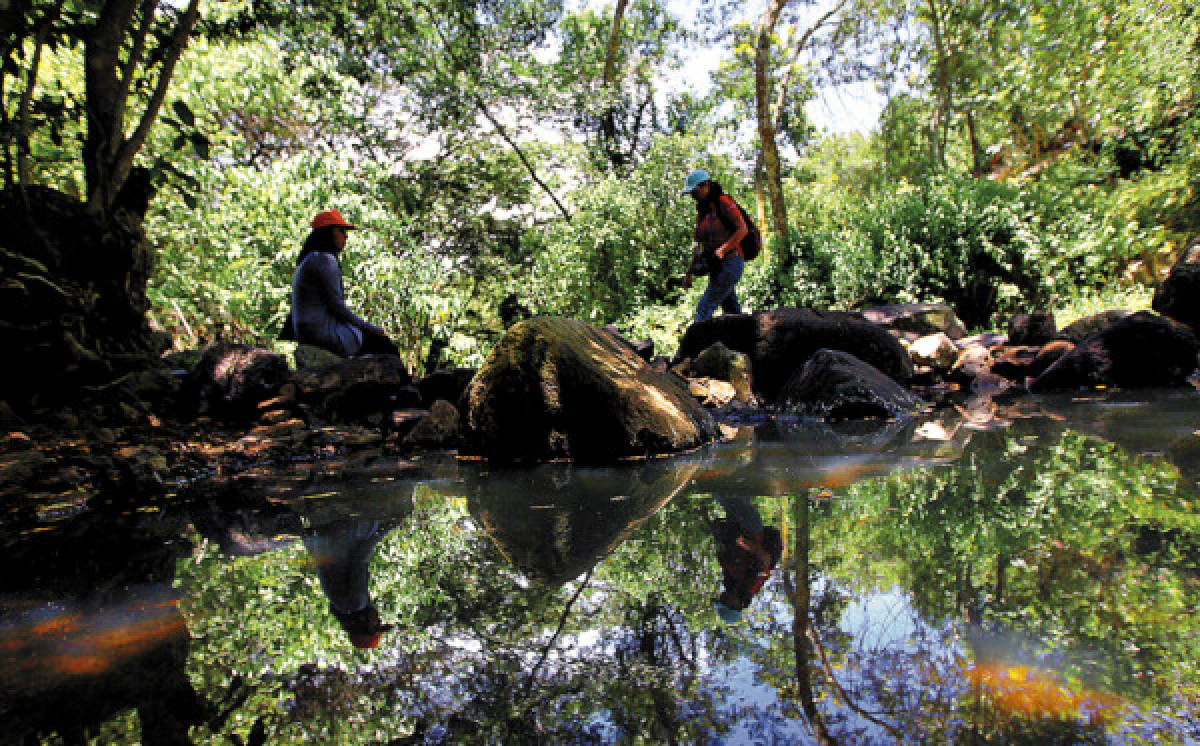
719, 232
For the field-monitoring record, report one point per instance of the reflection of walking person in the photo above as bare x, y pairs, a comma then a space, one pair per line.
747, 552
342, 553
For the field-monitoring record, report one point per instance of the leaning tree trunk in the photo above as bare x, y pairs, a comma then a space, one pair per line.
766, 122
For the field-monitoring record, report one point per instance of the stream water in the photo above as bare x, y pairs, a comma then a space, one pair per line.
1002, 574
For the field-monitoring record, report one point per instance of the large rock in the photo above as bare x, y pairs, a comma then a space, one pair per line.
1178, 297
837, 385
935, 350
231, 379
917, 318
446, 383
357, 389
1139, 351
556, 388
1081, 329
1031, 329
779, 342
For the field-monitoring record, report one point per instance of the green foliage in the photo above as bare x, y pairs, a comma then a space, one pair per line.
626, 238
981, 246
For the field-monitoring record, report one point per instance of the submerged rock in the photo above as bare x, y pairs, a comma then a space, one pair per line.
837, 385
779, 342
562, 388
1140, 351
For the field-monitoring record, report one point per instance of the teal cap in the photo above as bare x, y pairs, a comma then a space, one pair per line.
728, 615
693, 180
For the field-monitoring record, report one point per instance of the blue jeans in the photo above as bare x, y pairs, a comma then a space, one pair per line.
722, 289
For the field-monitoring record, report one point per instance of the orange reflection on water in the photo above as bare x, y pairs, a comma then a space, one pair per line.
50, 645
1020, 690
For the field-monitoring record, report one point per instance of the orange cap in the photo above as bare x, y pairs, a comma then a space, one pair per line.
331, 217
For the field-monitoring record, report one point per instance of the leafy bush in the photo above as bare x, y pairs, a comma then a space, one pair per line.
982, 247
626, 238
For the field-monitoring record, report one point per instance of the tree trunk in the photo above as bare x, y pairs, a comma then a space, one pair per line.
608, 120
766, 124
107, 153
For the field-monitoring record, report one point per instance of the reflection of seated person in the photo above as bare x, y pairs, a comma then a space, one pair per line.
342, 553
747, 552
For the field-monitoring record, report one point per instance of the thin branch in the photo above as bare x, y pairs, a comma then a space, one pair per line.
39, 38
520, 154
129, 148
562, 622
135, 55
479, 104
816, 642
781, 100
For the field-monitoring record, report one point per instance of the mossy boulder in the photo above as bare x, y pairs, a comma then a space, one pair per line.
561, 388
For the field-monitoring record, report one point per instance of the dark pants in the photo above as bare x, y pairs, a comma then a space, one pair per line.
722, 289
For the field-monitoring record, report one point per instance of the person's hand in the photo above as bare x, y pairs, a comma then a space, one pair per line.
721, 251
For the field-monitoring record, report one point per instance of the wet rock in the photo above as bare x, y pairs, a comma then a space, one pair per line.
1035, 328
357, 389
720, 362
16, 441
563, 388
310, 356
990, 384
971, 362
711, 392
1079, 329
935, 350
1048, 355
440, 428
1139, 351
1014, 362
779, 342
986, 340
448, 383
837, 385
231, 379
1178, 297
921, 319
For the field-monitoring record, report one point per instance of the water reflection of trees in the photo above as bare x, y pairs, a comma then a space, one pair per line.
573, 605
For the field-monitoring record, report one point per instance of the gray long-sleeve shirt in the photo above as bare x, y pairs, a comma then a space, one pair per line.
319, 309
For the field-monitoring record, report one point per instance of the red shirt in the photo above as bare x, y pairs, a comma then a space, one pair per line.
711, 232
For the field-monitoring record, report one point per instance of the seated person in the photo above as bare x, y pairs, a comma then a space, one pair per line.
319, 314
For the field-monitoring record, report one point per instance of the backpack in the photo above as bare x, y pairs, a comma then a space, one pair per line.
752, 242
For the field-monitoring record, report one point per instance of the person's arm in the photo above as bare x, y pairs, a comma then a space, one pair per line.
329, 274
740, 229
